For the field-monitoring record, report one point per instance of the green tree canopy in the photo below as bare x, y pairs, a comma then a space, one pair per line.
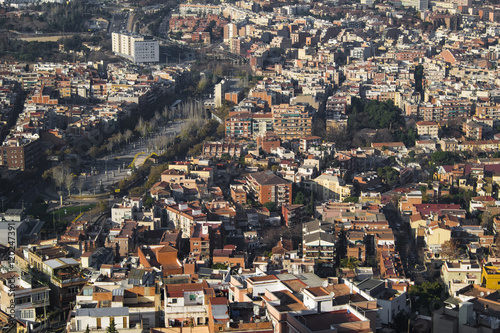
112, 327
419, 78
374, 114
389, 175
299, 198
426, 297
444, 158
271, 206
350, 262
352, 199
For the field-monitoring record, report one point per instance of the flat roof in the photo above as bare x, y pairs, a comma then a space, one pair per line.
322, 321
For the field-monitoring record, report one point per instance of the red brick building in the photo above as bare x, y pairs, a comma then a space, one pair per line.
20, 153
293, 214
267, 187
239, 126
238, 194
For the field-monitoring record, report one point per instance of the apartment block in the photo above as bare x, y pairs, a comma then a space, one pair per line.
292, 121
427, 129
20, 153
267, 187
137, 48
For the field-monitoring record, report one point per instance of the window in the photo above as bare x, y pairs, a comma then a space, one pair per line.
26, 314
174, 300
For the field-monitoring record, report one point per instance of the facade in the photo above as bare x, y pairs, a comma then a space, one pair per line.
137, 48
239, 126
65, 281
238, 194
123, 239
490, 277
459, 274
20, 153
183, 217
26, 228
435, 235
134, 307
292, 121
473, 130
187, 298
217, 149
229, 257
467, 314
319, 245
29, 299
200, 244
417, 4
267, 187
331, 187
293, 214
427, 129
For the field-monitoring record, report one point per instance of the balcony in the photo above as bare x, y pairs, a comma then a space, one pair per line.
175, 309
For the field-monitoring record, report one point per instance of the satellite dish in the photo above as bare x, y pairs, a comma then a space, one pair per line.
481, 294
325, 284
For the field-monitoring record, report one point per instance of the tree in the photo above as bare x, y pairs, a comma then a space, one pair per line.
102, 205
389, 175
487, 220
79, 184
94, 151
444, 158
400, 321
351, 199
59, 175
450, 249
62, 176
141, 127
219, 266
271, 206
310, 207
374, 114
427, 297
419, 76
68, 182
112, 327
148, 201
299, 198
127, 135
350, 262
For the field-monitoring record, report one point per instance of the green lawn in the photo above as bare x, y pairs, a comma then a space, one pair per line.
59, 218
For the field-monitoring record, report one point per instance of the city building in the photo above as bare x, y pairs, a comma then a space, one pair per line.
137, 48
292, 121
331, 187
20, 153
266, 187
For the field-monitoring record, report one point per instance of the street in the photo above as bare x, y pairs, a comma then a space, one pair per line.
109, 170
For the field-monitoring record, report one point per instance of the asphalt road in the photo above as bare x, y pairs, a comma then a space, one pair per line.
110, 169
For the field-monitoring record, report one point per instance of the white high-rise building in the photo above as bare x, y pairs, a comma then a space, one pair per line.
417, 4
135, 47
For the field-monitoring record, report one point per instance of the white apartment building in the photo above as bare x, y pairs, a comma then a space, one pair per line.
135, 47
